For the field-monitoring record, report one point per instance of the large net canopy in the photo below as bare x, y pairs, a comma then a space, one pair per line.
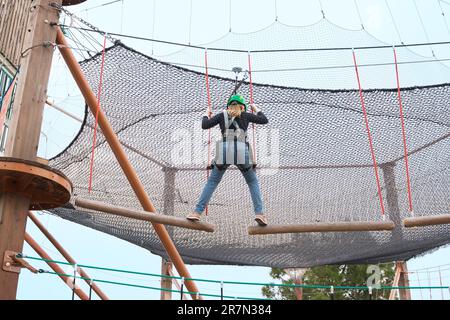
314, 158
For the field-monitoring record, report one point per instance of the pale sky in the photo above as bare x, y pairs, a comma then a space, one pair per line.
170, 20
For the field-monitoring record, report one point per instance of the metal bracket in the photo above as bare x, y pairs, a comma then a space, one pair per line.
9, 265
13, 264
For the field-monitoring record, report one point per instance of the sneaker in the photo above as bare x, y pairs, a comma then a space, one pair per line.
194, 216
261, 220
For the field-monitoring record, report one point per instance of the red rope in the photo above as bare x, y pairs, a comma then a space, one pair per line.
208, 93
6, 101
251, 102
250, 76
96, 115
402, 119
366, 120
440, 284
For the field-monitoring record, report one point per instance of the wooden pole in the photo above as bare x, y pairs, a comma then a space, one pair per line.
123, 160
298, 291
24, 133
323, 227
351, 226
393, 208
427, 221
405, 294
67, 256
125, 145
168, 209
144, 215
166, 283
393, 292
394, 215
296, 274
56, 268
169, 194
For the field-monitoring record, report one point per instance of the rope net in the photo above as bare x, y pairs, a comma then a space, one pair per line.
314, 159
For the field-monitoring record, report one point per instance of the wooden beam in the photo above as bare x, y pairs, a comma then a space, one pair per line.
26, 122
144, 215
323, 227
55, 267
427, 220
67, 256
123, 160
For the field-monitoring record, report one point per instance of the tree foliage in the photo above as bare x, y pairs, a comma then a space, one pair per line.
332, 275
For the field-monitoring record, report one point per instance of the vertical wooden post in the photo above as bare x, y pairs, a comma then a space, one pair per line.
25, 127
299, 291
394, 215
296, 274
169, 194
403, 281
166, 283
168, 209
393, 209
393, 292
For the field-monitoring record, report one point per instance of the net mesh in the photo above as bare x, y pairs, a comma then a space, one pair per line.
314, 161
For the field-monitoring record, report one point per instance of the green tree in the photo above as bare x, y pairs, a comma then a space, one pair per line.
332, 275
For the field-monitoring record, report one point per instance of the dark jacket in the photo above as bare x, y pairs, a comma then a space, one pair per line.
243, 121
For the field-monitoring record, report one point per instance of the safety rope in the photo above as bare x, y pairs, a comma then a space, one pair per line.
366, 120
429, 284
443, 17
91, 26
221, 282
148, 287
101, 5
251, 102
423, 26
6, 99
440, 284
402, 120
209, 111
418, 282
401, 45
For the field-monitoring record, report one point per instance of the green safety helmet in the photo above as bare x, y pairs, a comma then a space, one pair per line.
239, 99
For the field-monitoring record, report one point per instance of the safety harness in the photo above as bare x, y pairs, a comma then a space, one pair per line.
233, 148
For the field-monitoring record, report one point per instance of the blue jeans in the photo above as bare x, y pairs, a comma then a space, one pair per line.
214, 180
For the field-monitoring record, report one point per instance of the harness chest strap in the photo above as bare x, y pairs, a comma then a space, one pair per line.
238, 133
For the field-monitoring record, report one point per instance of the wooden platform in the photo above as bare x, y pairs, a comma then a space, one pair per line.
323, 227
72, 2
46, 187
426, 221
144, 215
